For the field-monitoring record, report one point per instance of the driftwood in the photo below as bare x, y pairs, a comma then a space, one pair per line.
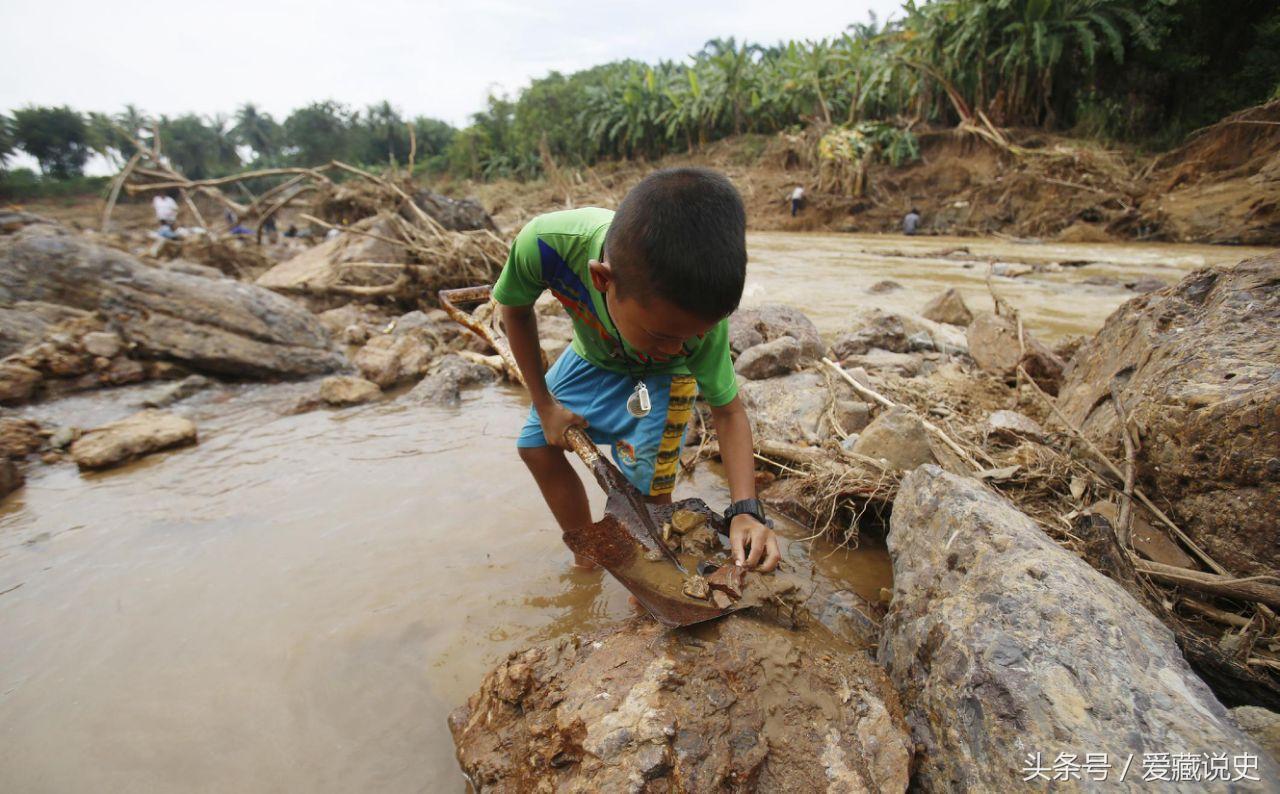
1249, 588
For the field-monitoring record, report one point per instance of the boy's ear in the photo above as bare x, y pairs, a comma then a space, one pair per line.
601, 275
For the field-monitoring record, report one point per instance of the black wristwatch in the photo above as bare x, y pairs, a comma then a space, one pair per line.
751, 507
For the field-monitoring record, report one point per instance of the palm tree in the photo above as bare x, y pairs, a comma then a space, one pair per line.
258, 131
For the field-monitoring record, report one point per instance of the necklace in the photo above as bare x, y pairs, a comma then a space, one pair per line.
638, 404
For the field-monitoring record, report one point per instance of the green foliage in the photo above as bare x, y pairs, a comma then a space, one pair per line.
199, 148
56, 136
319, 132
259, 132
6, 139
23, 184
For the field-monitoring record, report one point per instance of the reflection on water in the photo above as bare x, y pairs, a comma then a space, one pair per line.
827, 275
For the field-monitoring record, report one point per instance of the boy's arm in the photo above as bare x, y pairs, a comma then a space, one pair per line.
733, 428
521, 323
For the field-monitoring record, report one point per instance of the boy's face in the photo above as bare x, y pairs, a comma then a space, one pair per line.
650, 324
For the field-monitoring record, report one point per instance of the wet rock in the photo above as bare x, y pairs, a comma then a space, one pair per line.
907, 365
217, 326
738, 704
1262, 724
792, 408
898, 437
770, 359
948, 308
348, 390
728, 579
696, 587
1004, 644
388, 359
141, 434
684, 521
993, 343
770, 321
449, 375
17, 382
163, 396
63, 436
881, 287
124, 370
1196, 366
1011, 427
11, 478
19, 437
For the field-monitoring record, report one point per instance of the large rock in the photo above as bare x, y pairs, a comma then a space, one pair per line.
141, 434
898, 437
769, 321
18, 382
347, 390
1262, 724
795, 408
1198, 366
897, 333
448, 376
388, 359
993, 343
218, 326
738, 705
770, 359
1004, 645
948, 308
19, 437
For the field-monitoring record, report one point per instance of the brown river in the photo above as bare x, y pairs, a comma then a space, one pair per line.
299, 601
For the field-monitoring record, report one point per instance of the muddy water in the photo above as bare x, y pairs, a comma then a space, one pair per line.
294, 604
298, 602
828, 275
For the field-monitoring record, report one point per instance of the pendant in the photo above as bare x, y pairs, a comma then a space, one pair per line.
638, 404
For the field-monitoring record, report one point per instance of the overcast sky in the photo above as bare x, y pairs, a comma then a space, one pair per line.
428, 58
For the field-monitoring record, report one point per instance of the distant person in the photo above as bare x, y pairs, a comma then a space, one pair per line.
797, 196
166, 213
236, 227
269, 228
292, 231
911, 222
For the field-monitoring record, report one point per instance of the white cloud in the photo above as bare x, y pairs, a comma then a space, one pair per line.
427, 58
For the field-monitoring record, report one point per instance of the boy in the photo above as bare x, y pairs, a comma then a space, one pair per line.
649, 289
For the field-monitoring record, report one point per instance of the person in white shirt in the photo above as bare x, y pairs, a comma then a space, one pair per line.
797, 196
166, 210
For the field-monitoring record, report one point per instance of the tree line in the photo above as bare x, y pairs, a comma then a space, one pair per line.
1145, 71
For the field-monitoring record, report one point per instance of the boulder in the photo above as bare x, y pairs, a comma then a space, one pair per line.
388, 359
792, 408
881, 287
770, 359
739, 705
138, 435
218, 326
908, 365
448, 376
19, 437
898, 437
11, 478
769, 321
102, 343
1196, 366
897, 333
1262, 724
1004, 645
348, 390
458, 215
948, 308
1011, 427
17, 382
993, 343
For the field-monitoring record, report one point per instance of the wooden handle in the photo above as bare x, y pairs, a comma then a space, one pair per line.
582, 444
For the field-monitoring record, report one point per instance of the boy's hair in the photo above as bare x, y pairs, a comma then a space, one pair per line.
681, 234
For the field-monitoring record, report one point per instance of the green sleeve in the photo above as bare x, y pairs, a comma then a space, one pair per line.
521, 283
713, 369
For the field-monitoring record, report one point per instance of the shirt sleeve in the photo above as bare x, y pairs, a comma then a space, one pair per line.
521, 282
713, 369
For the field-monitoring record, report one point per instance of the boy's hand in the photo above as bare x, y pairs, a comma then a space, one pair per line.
747, 532
556, 421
